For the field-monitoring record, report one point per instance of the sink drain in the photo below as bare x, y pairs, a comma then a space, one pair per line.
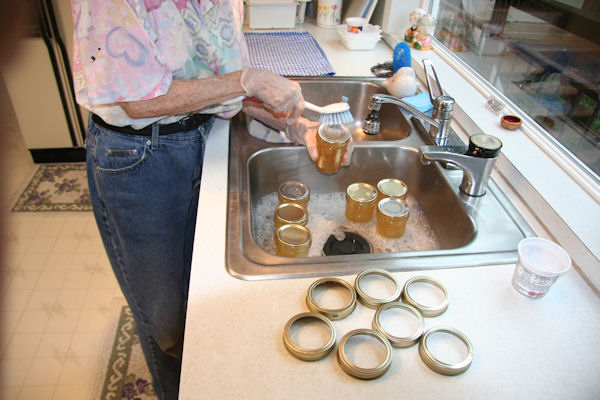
352, 243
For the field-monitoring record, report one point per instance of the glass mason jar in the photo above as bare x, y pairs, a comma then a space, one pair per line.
292, 240
391, 188
294, 192
289, 213
392, 216
361, 199
332, 141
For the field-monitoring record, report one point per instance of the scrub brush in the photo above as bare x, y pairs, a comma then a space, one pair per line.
333, 114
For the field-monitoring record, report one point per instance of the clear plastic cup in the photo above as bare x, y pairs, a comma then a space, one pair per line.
540, 264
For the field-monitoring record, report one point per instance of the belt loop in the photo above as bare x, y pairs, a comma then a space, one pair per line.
154, 136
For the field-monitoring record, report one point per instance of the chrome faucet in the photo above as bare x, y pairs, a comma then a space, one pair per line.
440, 120
477, 163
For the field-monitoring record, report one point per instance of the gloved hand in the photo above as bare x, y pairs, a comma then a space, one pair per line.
304, 131
281, 95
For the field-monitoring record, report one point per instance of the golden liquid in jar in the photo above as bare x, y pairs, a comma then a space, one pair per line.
361, 200
392, 220
294, 192
331, 148
391, 188
292, 240
289, 213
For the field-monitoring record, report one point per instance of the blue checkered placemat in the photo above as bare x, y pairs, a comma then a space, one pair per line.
288, 53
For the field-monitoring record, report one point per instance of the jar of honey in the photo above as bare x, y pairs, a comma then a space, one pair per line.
332, 141
361, 199
392, 216
292, 240
391, 188
289, 213
294, 192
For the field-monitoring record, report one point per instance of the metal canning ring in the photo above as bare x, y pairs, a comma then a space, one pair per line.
398, 341
426, 311
308, 354
440, 366
358, 372
331, 313
373, 302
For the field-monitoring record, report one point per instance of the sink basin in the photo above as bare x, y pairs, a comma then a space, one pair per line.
465, 231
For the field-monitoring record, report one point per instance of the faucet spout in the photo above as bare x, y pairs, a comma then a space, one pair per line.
477, 161
377, 100
440, 120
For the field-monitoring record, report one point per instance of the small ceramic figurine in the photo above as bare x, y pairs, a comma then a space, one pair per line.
425, 27
413, 18
402, 84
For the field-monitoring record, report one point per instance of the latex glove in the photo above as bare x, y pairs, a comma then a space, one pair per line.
278, 93
304, 131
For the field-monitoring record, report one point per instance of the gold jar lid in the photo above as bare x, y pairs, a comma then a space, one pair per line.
438, 365
303, 353
291, 213
399, 341
393, 207
362, 192
373, 302
293, 191
426, 310
360, 372
294, 235
331, 313
334, 134
392, 187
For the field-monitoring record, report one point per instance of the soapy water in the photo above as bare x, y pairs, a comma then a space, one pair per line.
326, 216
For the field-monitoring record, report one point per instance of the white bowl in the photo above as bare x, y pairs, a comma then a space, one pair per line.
365, 40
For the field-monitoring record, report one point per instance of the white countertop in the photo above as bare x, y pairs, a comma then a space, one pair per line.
548, 348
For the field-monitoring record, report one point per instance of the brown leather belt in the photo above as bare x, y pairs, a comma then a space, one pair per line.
183, 125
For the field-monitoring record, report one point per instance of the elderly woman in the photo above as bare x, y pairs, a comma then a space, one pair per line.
154, 74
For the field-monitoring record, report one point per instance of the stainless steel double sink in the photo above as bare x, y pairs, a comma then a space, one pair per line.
469, 231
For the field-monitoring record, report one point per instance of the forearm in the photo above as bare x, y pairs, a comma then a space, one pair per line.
186, 96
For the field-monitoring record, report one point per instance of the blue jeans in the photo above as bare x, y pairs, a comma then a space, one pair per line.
144, 193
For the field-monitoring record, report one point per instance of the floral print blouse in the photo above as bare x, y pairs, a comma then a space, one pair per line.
127, 50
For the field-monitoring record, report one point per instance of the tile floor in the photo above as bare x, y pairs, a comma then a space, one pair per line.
57, 292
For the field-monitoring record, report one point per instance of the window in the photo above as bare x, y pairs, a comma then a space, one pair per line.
544, 55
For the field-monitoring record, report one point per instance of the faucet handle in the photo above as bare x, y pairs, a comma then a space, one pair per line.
443, 105
437, 88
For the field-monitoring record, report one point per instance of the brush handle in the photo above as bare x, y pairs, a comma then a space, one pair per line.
313, 107
308, 105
